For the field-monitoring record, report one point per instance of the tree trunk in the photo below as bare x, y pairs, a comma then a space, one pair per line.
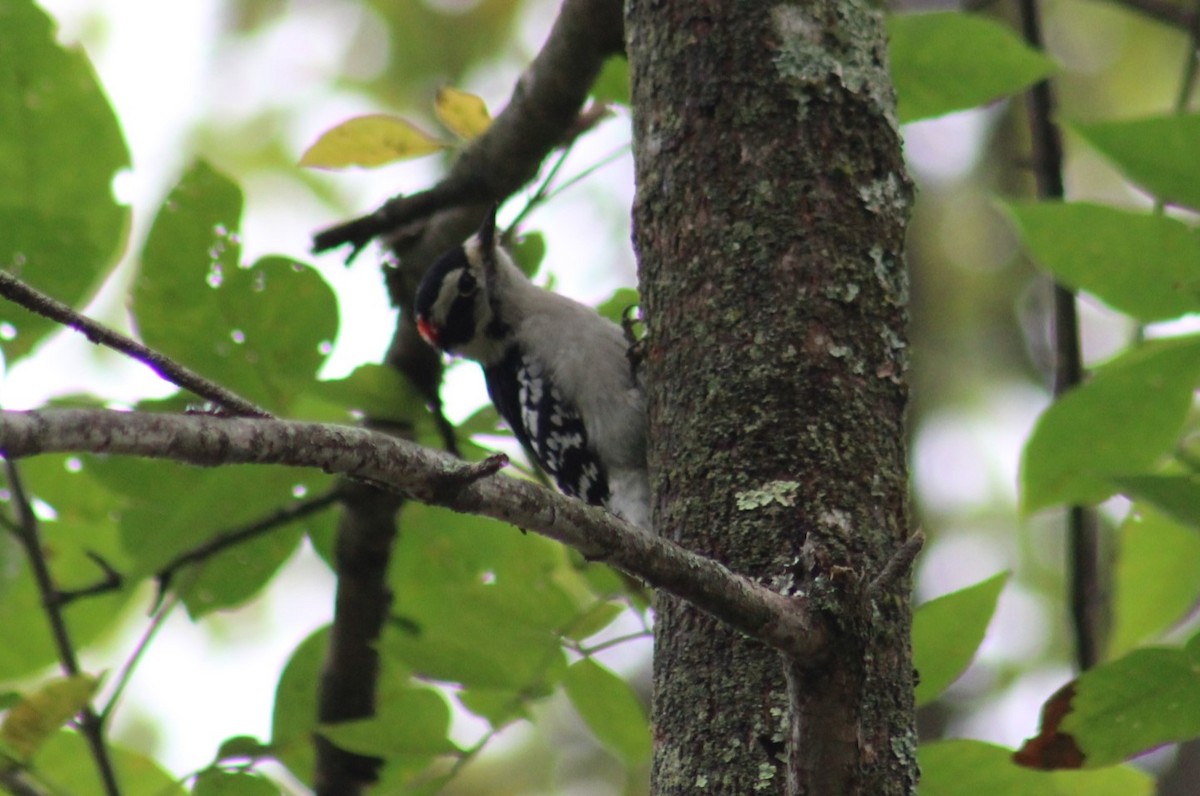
770, 215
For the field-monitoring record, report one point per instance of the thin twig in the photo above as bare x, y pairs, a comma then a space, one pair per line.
542, 191
398, 211
898, 566
470, 473
35, 301
223, 541
30, 537
161, 613
612, 642
446, 430
1086, 588
17, 782
607, 160
112, 581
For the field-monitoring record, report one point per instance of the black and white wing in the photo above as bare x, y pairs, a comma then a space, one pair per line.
549, 427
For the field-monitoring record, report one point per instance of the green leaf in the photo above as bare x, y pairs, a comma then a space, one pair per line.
378, 392
485, 420
477, 602
374, 140
1158, 153
948, 630
950, 61
952, 768
294, 717
1175, 495
242, 747
1147, 266
499, 706
411, 722
1145, 699
60, 147
614, 306
610, 708
528, 251
66, 765
612, 85
169, 509
1156, 579
30, 723
217, 782
595, 619
1120, 422
261, 331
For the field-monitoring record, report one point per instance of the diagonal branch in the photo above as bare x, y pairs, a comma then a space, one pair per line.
786, 623
34, 300
542, 114
227, 539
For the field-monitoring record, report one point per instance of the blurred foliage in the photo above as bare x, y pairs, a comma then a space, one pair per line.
490, 624
62, 231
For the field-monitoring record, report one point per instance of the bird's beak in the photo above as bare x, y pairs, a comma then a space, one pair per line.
428, 332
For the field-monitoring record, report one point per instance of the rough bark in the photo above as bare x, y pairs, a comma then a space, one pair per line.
770, 215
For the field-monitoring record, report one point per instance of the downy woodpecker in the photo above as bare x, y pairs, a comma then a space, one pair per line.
556, 371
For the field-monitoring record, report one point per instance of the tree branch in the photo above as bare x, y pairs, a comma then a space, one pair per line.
350, 671
29, 535
112, 581
228, 539
540, 115
785, 623
34, 300
1087, 597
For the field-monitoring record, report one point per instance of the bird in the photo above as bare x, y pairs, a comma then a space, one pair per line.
558, 373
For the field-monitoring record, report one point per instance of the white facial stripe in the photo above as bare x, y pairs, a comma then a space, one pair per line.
446, 297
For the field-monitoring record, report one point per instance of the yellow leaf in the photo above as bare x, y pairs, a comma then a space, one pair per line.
464, 114
32, 720
373, 140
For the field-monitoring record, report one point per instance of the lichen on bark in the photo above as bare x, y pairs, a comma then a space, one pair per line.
769, 222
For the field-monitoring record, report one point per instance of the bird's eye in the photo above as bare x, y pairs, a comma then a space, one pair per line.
467, 283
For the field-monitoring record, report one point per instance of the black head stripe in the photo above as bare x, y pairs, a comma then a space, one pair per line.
447, 297
435, 278
459, 325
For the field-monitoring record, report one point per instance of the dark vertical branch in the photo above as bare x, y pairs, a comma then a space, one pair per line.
349, 678
29, 535
1086, 585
